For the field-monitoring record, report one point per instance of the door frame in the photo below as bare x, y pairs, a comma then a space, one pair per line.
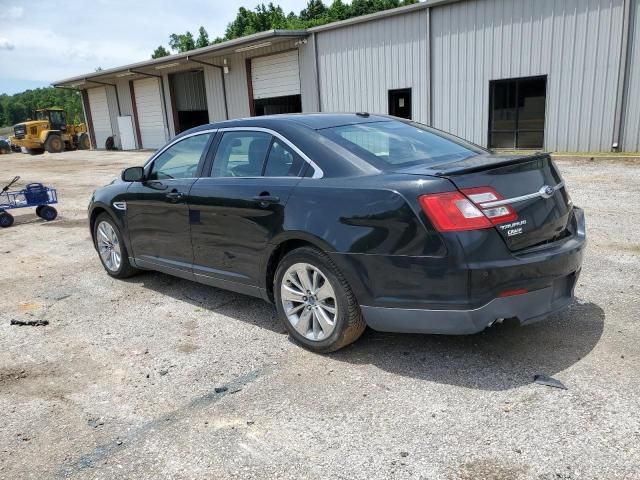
515, 132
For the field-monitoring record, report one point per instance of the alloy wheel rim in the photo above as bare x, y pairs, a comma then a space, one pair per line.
309, 301
109, 246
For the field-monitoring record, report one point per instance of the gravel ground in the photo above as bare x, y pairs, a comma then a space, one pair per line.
157, 377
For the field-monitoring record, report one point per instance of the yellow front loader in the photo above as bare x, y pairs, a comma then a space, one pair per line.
50, 132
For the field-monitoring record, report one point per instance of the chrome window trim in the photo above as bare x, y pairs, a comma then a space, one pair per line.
522, 198
176, 140
317, 171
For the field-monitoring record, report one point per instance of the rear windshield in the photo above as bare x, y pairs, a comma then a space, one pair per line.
391, 144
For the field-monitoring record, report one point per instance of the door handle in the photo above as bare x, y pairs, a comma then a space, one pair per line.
266, 200
174, 196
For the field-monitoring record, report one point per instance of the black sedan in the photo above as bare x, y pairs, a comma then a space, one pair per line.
349, 220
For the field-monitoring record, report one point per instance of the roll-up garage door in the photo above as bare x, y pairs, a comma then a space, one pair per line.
99, 115
275, 75
149, 108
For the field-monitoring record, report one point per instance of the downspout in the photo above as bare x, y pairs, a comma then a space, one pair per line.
622, 77
224, 88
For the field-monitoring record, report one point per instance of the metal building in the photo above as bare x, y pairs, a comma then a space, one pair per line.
559, 75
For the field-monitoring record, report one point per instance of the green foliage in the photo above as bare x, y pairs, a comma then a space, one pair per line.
272, 17
160, 52
182, 43
21, 106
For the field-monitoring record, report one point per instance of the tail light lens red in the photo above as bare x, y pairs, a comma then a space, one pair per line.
460, 211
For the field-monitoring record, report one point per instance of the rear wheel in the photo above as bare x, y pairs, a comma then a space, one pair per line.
111, 249
315, 302
54, 144
47, 213
83, 142
6, 220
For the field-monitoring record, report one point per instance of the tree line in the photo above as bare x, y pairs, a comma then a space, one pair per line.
21, 106
270, 17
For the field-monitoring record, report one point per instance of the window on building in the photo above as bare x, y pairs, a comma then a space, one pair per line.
517, 112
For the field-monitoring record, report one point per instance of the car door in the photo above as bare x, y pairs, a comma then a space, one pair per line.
157, 211
240, 205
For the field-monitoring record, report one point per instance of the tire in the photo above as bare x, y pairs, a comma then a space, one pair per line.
102, 238
54, 144
47, 213
6, 220
83, 142
39, 210
347, 322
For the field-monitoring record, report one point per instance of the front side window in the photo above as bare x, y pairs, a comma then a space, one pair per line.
181, 159
241, 154
389, 144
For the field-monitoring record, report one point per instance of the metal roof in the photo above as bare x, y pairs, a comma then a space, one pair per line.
218, 48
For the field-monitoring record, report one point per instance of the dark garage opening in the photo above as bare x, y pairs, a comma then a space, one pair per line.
188, 100
276, 105
400, 103
517, 112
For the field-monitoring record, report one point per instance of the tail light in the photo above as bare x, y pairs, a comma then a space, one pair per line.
460, 211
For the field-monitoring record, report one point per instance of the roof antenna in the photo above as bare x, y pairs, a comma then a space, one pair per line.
362, 114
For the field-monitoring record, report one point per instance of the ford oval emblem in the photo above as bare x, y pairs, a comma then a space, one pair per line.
546, 191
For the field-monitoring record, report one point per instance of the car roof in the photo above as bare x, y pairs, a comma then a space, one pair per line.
314, 121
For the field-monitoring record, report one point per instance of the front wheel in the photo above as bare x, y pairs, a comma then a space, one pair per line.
111, 249
315, 302
54, 144
47, 213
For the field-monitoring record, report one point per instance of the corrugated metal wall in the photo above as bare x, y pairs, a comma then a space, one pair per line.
308, 76
575, 42
124, 95
631, 125
359, 64
215, 94
189, 90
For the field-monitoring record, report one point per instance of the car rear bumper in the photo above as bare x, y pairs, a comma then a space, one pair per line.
527, 308
452, 296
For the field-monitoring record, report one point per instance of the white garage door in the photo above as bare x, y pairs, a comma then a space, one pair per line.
275, 75
100, 115
149, 107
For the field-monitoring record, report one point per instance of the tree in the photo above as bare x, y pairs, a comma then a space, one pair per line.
203, 38
160, 52
316, 10
269, 17
182, 43
20, 106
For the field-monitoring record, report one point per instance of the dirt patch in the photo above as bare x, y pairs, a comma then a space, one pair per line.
489, 469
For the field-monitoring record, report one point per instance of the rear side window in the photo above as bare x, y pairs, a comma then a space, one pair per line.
282, 161
241, 154
391, 143
181, 159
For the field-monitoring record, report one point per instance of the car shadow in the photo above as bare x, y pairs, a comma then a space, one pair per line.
502, 357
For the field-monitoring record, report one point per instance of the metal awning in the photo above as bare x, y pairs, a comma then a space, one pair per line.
155, 66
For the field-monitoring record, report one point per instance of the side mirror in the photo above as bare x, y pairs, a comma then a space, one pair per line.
133, 174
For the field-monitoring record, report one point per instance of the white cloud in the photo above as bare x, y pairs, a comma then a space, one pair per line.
104, 33
5, 44
11, 13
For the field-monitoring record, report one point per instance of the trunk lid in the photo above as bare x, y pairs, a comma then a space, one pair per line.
532, 185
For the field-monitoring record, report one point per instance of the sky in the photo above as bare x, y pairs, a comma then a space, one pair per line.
42, 41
